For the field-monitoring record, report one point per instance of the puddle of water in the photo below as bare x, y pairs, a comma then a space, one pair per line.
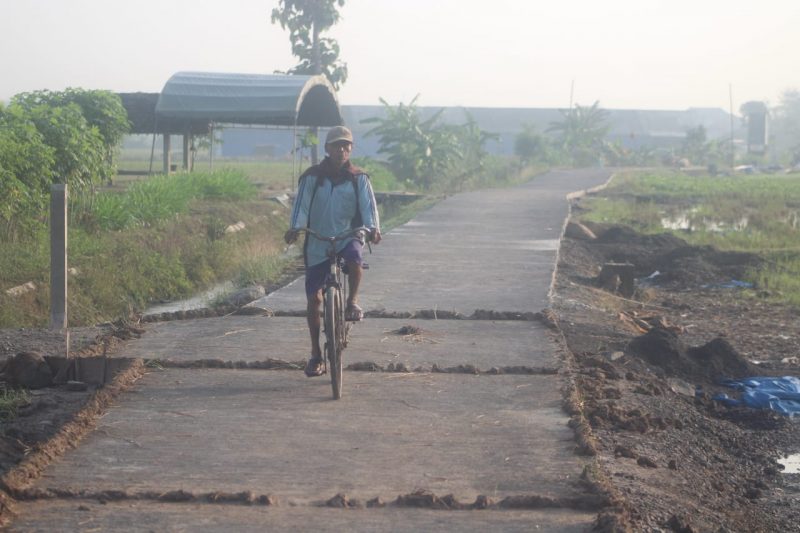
685, 222
681, 222
791, 463
195, 302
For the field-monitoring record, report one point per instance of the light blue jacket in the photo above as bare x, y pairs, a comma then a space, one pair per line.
330, 210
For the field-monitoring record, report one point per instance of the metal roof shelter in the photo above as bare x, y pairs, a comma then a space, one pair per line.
194, 102
190, 98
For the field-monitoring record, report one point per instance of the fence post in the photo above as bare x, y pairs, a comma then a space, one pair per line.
58, 256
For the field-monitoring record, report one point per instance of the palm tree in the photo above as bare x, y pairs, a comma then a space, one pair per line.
582, 132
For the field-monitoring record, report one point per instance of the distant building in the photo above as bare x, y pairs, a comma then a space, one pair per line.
632, 128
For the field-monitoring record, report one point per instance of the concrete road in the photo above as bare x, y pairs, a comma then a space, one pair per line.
491, 249
411, 450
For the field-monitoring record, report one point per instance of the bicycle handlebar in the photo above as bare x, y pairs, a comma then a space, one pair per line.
345, 235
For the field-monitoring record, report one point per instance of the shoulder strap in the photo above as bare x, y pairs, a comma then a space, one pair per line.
356, 222
357, 219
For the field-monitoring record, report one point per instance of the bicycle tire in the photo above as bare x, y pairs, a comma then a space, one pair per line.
333, 346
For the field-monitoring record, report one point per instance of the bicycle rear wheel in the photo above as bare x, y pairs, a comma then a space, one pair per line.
334, 328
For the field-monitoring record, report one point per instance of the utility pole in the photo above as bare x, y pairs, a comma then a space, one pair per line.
733, 154
571, 93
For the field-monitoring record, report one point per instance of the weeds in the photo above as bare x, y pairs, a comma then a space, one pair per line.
154, 364
10, 401
262, 270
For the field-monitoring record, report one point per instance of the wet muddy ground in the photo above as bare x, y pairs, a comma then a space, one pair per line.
646, 368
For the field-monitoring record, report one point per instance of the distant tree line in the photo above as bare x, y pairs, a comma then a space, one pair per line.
785, 137
580, 139
49, 137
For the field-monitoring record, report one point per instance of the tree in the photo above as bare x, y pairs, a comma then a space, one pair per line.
418, 150
786, 127
582, 132
80, 154
101, 109
427, 152
26, 170
694, 146
528, 145
471, 146
306, 20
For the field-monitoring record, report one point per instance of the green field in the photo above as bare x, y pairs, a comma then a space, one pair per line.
755, 213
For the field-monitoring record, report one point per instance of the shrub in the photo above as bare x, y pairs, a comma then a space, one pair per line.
25, 171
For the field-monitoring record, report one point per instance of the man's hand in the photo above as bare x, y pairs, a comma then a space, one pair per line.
375, 235
290, 236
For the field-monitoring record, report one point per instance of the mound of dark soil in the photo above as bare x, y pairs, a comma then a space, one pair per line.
621, 244
696, 265
680, 265
720, 360
709, 363
627, 235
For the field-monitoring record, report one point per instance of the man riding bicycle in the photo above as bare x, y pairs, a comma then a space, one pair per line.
332, 197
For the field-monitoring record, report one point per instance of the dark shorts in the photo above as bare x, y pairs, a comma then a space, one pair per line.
315, 275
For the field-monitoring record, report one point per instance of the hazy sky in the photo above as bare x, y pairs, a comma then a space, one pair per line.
655, 54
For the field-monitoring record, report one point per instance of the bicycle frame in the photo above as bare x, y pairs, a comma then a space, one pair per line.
334, 296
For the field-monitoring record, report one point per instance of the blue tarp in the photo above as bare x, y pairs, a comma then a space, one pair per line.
779, 394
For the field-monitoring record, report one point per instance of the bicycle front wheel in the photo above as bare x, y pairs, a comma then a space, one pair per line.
334, 326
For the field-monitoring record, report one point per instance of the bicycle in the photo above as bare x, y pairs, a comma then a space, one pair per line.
334, 296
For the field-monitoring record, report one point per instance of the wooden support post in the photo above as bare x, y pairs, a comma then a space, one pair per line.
186, 157
211, 148
58, 256
167, 149
315, 148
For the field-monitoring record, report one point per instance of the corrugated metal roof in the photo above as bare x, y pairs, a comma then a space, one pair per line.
281, 100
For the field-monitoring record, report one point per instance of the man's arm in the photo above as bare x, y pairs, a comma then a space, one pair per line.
369, 208
299, 217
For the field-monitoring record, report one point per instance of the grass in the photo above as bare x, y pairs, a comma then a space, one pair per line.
149, 240
10, 401
163, 196
265, 174
262, 269
121, 272
759, 214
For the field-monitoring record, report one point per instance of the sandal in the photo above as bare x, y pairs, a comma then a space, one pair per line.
353, 313
314, 367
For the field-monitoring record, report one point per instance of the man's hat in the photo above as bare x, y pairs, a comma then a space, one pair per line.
338, 133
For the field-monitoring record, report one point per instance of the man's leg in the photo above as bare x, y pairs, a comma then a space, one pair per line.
315, 278
312, 317
352, 257
354, 272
